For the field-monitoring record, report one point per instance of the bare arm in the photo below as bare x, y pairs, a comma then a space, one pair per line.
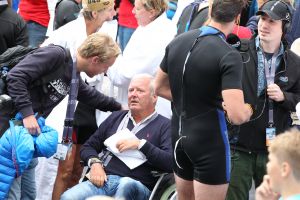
237, 111
162, 85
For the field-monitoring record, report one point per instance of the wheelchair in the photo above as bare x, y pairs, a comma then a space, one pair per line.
164, 188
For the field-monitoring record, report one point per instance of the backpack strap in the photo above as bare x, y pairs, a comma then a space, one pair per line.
244, 45
244, 48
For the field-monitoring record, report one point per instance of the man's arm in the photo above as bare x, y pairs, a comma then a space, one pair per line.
237, 111
96, 99
162, 85
20, 78
160, 156
92, 147
287, 99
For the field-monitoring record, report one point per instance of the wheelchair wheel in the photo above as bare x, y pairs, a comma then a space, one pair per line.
167, 188
168, 193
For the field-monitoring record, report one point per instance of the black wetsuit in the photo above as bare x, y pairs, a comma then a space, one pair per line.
213, 65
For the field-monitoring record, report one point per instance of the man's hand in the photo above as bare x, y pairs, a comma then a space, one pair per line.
123, 145
264, 191
97, 175
32, 125
274, 92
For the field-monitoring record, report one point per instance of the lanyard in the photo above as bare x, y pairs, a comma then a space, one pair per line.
68, 125
270, 76
139, 126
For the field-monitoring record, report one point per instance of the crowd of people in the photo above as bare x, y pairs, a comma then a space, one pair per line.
209, 97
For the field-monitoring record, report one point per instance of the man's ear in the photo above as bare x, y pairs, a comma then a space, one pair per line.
154, 97
285, 169
94, 14
95, 60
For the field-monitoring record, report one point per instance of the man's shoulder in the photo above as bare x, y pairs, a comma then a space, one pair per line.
292, 59
52, 50
163, 118
184, 41
163, 121
118, 114
291, 55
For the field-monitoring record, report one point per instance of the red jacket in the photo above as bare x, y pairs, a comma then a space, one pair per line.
126, 17
35, 10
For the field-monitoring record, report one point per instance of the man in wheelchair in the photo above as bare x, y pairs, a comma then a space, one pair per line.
142, 133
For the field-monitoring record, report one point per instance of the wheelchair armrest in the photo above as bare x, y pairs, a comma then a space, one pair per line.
158, 173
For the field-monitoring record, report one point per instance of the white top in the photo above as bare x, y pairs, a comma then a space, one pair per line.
143, 54
71, 36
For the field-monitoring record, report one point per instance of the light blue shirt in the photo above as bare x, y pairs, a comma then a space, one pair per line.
261, 77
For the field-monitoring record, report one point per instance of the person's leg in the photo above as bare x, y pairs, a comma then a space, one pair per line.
82, 191
77, 168
241, 175
87, 189
131, 189
120, 37
28, 188
124, 34
184, 188
208, 192
127, 32
36, 33
64, 174
260, 168
15, 189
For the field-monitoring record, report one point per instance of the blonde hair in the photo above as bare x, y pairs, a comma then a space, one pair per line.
286, 147
101, 45
88, 6
159, 6
88, 15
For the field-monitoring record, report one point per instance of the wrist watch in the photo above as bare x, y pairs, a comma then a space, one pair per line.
95, 160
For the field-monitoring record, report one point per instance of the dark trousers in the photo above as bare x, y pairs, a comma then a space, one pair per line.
245, 167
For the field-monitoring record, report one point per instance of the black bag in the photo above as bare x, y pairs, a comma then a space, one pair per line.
12, 56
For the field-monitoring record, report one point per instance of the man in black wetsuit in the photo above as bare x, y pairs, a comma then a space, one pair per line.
198, 72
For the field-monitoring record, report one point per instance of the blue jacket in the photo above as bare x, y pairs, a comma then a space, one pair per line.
18, 147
